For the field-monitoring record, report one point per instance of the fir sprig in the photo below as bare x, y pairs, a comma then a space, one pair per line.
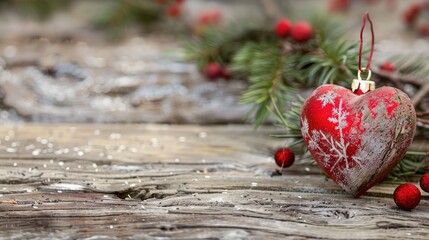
216, 44
333, 63
265, 65
212, 46
411, 166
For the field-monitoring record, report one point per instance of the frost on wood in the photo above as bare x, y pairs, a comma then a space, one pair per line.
357, 140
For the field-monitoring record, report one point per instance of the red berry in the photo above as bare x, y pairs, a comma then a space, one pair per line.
339, 5
180, 1
409, 17
424, 182
213, 70
173, 11
415, 8
302, 32
407, 196
283, 28
387, 66
284, 157
424, 30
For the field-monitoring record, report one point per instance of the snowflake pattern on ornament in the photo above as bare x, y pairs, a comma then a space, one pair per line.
337, 148
357, 140
328, 97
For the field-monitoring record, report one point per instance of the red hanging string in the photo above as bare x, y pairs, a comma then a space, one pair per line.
366, 16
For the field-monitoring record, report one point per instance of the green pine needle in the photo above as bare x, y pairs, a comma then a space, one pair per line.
264, 63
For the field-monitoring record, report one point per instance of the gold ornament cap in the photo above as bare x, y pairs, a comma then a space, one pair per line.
363, 85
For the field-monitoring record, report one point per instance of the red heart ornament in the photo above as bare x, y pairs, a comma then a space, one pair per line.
357, 139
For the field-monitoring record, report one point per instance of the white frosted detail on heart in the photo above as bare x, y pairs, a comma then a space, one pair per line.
357, 140
328, 97
337, 149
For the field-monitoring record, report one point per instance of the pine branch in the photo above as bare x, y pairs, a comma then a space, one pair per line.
207, 48
413, 163
220, 45
293, 116
335, 63
305, 65
265, 68
395, 78
327, 28
421, 94
423, 114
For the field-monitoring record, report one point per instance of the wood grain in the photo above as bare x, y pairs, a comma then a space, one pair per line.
179, 182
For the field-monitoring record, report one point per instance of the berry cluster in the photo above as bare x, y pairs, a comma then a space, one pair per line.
407, 196
411, 17
300, 32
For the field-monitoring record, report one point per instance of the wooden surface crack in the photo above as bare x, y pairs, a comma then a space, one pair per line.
157, 181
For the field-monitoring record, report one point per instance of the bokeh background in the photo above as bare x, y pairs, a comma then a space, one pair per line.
123, 61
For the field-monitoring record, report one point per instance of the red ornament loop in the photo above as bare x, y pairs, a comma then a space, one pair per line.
366, 16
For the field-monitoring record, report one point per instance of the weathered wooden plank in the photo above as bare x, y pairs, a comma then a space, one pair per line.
181, 182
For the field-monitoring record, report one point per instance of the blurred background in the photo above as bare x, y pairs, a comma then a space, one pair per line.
125, 61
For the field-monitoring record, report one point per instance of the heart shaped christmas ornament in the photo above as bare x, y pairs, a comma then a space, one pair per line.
357, 139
